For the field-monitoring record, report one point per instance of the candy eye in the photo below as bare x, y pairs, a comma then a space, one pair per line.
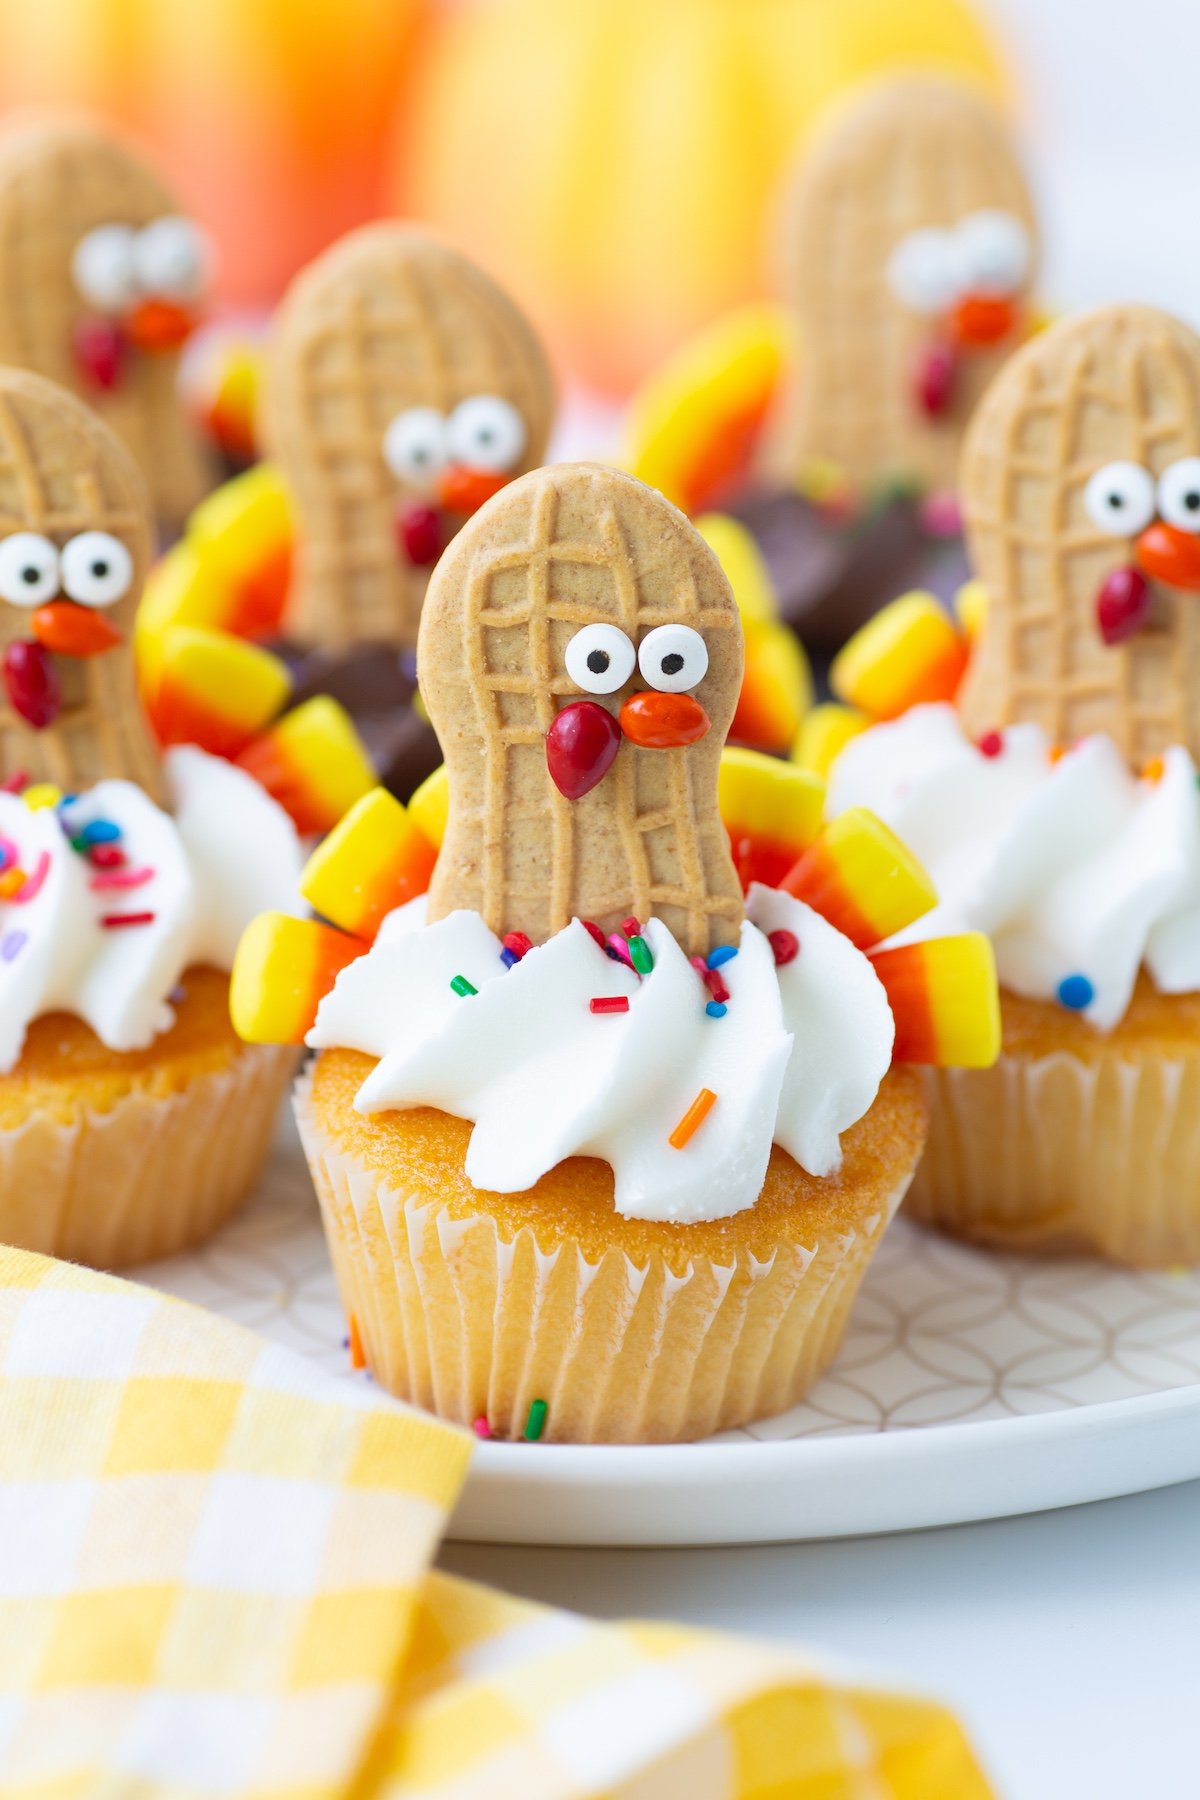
673, 658
1179, 494
600, 659
414, 444
97, 570
103, 267
925, 270
486, 433
995, 253
1120, 499
28, 569
172, 258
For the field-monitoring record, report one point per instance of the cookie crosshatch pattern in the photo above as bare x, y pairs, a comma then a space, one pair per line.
552, 556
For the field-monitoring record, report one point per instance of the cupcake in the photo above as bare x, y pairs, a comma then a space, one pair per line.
132, 1119
591, 1128
1056, 805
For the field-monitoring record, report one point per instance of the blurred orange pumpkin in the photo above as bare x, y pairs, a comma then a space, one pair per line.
613, 160
270, 117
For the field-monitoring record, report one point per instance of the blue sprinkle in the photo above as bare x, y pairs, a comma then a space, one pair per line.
100, 831
12, 944
722, 954
1076, 991
508, 958
6, 856
716, 1009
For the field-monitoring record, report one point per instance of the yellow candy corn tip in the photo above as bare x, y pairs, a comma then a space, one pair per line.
271, 985
429, 806
883, 878
823, 735
236, 679
969, 1012
234, 524
763, 796
888, 655
970, 609
745, 570
177, 592
319, 739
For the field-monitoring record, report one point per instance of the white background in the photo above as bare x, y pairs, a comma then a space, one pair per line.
1070, 1643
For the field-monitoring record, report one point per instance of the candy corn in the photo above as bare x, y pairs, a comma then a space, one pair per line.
738, 553
970, 609
429, 807
242, 536
824, 734
313, 762
283, 969
776, 689
944, 999
906, 655
860, 877
225, 398
372, 861
213, 690
772, 812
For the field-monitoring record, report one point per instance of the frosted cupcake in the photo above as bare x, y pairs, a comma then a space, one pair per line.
132, 1119
588, 1126
1057, 808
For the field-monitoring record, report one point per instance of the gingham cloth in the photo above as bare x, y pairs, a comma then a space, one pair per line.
215, 1581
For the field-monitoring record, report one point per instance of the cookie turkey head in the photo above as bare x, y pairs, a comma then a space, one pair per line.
102, 279
74, 545
403, 390
581, 658
908, 249
1081, 488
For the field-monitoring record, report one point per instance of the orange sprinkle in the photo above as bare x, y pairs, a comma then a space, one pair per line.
1154, 769
693, 1119
1056, 752
357, 1359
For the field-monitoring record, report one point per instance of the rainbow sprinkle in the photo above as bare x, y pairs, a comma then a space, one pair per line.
609, 1003
640, 954
721, 955
462, 986
692, 1119
618, 949
114, 921
535, 1424
482, 1426
1076, 992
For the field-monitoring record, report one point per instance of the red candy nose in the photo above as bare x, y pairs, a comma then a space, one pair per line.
1122, 605
99, 348
31, 684
581, 746
663, 721
1170, 555
934, 379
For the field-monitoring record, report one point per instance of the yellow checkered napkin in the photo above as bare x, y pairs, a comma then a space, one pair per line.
215, 1582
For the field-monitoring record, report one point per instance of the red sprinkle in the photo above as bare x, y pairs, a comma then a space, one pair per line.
715, 986
991, 743
121, 878
111, 921
15, 784
518, 943
609, 1003
630, 927
106, 856
785, 944
595, 933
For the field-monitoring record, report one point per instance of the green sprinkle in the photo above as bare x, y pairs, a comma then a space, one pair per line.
461, 985
640, 956
535, 1424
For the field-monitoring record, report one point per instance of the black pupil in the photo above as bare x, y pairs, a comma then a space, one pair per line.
598, 661
672, 664
31, 574
1192, 500
1116, 501
99, 570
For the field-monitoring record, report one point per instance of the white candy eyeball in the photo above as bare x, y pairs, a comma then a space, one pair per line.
600, 659
925, 270
103, 267
1119, 498
97, 570
995, 253
1179, 494
673, 658
486, 433
414, 445
172, 259
28, 569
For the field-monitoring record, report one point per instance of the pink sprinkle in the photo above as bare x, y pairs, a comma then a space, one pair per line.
121, 878
620, 948
991, 743
480, 1426
112, 921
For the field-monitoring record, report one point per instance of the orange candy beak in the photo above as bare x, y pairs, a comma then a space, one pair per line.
1170, 555
663, 721
462, 490
70, 630
979, 320
156, 325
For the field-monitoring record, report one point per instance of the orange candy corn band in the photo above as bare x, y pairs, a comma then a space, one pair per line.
283, 969
313, 762
860, 877
213, 690
944, 999
374, 860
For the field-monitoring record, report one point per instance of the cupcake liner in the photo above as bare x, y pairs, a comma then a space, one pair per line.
468, 1323
1063, 1156
156, 1174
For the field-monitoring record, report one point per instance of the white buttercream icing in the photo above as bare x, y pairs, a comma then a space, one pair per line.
796, 1059
1075, 867
193, 882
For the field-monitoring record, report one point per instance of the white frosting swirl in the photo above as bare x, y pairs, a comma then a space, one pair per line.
199, 878
797, 1058
1074, 867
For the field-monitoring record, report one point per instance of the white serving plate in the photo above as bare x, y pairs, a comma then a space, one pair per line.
969, 1386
